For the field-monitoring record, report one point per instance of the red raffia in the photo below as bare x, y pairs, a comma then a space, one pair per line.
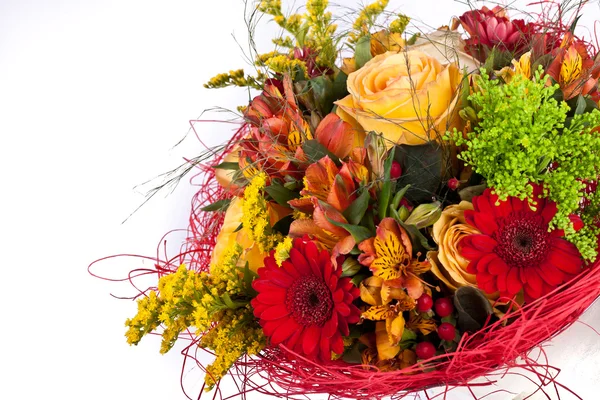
278, 372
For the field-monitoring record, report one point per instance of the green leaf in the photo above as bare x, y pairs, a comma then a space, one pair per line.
356, 211
409, 339
239, 228
362, 53
283, 225
248, 277
450, 319
230, 303
281, 194
353, 355
228, 165
358, 278
417, 239
315, 151
386, 190
423, 168
581, 105
220, 205
359, 233
398, 197
323, 93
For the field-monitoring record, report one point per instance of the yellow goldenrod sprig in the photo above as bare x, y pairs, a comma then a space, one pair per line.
366, 19
236, 78
255, 217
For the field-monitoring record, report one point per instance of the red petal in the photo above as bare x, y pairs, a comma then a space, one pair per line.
333, 281
483, 264
338, 296
275, 312
279, 277
270, 326
272, 297
343, 325
299, 261
513, 284
483, 242
354, 317
497, 267
270, 263
312, 254
532, 293
549, 212
293, 341
284, 331
504, 209
325, 349
472, 267
337, 344
518, 204
533, 280
331, 326
566, 262
485, 223
310, 339
501, 281
343, 309
550, 274
290, 269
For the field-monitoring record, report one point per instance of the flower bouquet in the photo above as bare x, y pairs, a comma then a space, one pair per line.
396, 211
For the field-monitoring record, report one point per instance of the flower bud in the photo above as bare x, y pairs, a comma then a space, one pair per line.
425, 215
350, 267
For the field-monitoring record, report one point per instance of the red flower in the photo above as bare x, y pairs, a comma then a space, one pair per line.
304, 304
491, 28
515, 250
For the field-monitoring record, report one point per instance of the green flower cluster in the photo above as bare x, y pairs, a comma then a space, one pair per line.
525, 135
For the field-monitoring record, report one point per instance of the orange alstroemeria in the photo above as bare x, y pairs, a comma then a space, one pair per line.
389, 256
335, 135
325, 182
276, 131
573, 68
323, 231
387, 304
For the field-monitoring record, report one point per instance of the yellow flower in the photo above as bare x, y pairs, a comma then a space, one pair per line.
379, 294
409, 97
447, 264
380, 42
520, 67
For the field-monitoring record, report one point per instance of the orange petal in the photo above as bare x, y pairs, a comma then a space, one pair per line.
336, 135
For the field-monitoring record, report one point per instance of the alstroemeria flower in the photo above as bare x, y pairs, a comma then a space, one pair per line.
325, 233
573, 68
389, 256
336, 135
387, 304
276, 132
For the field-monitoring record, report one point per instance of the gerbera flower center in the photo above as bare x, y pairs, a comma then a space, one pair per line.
309, 300
523, 240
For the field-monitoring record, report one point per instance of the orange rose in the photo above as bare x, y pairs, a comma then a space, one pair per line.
409, 97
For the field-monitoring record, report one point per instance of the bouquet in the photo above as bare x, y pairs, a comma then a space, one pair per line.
398, 210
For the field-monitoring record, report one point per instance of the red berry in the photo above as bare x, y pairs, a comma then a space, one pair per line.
443, 307
453, 183
446, 331
424, 303
425, 350
395, 170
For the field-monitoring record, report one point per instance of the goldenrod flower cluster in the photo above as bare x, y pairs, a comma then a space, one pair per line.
313, 30
190, 299
366, 19
282, 251
236, 334
281, 63
236, 78
399, 24
255, 217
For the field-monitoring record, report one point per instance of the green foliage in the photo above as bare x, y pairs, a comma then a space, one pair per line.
522, 130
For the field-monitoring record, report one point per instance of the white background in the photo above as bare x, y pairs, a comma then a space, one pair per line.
93, 96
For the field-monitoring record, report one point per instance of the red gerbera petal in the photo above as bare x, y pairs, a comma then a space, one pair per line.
310, 339
513, 284
272, 297
284, 331
275, 312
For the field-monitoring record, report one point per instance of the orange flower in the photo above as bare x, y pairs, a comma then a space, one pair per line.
389, 256
276, 133
326, 234
336, 135
573, 68
379, 294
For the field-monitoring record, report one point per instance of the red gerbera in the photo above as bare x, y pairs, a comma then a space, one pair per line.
304, 304
515, 250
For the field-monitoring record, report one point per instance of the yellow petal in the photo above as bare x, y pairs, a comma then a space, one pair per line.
378, 313
395, 328
385, 350
370, 291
